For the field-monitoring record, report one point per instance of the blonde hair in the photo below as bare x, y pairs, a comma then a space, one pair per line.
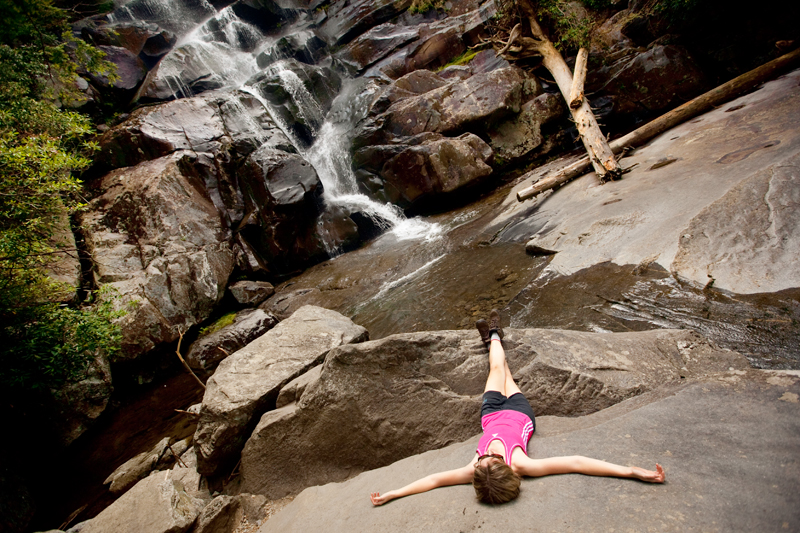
495, 483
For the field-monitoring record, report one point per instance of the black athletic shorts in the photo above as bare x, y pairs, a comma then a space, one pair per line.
493, 401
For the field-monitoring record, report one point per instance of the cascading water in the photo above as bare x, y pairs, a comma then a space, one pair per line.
218, 49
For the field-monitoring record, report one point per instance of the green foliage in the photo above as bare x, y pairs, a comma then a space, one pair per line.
423, 6
42, 146
674, 10
570, 30
221, 322
463, 59
48, 345
597, 4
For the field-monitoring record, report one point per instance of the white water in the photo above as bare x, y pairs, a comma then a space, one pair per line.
222, 49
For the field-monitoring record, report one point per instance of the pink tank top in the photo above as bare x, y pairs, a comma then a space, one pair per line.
512, 428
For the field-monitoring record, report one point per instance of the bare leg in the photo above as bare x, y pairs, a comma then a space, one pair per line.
499, 374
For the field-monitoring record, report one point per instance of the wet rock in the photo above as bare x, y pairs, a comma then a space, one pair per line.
248, 292
281, 195
286, 81
382, 400
304, 46
136, 468
267, 15
374, 45
487, 61
247, 383
206, 123
159, 241
435, 168
346, 20
484, 98
207, 351
156, 504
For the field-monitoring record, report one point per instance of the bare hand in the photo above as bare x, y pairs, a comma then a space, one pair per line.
651, 476
377, 499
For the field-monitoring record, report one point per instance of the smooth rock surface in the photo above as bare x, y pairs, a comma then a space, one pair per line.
157, 504
712, 438
381, 400
660, 211
247, 383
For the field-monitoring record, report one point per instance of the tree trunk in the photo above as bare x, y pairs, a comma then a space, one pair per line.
600, 154
578, 79
690, 109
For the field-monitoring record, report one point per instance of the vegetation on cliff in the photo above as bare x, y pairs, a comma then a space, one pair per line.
43, 144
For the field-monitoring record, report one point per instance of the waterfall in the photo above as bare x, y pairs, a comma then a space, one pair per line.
218, 49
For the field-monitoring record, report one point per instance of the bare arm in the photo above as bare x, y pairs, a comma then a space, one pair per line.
458, 476
577, 464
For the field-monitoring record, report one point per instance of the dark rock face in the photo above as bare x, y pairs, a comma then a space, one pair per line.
304, 46
281, 201
374, 45
80, 402
401, 154
130, 69
659, 78
249, 292
379, 401
159, 240
267, 15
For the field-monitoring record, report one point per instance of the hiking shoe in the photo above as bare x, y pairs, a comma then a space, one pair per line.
483, 329
494, 323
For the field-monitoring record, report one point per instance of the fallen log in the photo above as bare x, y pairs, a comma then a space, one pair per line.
690, 109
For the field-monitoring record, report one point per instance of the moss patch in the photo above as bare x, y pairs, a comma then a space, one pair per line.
221, 322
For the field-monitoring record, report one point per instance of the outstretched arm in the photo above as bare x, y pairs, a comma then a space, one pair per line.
458, 476
577, 464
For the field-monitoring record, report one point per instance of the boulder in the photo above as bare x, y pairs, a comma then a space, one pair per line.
346, 20
267, 15
157, 238
130, 69
222, 515
157, 504
294, 390
206, 352
658, 79
759, 256
139, 467
248, 292
518, 138
246, 384
742, 428
372, 46
207, 123
281, 194
484, 98
436, 167
382, 400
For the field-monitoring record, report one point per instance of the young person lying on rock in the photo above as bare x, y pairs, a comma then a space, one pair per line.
502, 458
